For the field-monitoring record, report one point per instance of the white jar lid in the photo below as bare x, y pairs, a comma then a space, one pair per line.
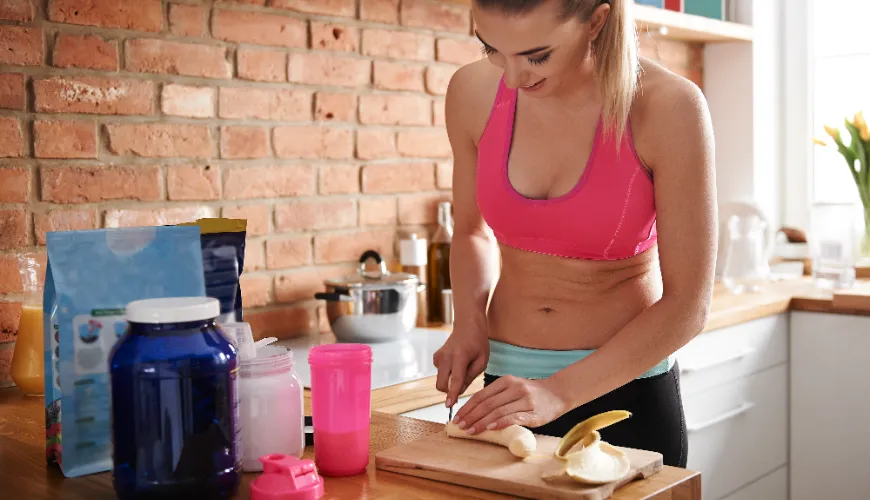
412, 251
173, 310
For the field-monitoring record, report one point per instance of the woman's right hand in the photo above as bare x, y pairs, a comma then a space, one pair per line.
459, 361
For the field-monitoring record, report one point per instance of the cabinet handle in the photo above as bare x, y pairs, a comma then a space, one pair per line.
721, 361
728, 415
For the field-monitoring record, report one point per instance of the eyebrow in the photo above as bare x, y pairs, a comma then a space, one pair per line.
523, 53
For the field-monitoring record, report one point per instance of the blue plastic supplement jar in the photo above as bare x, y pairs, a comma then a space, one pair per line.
175, 415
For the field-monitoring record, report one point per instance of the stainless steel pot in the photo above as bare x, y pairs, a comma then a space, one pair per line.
371, 306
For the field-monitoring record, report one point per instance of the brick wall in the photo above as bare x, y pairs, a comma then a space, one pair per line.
320, 121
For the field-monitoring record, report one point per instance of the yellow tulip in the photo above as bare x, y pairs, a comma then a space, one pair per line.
859, 119
819, 141
833, 132
864, 131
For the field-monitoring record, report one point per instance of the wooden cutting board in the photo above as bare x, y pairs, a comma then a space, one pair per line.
492, 467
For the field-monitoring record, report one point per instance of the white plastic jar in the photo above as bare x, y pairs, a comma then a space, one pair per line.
271, 407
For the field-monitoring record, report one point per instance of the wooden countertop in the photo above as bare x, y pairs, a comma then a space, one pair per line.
25, 474
726, 310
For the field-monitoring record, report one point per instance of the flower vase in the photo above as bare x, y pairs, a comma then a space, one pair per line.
865, 238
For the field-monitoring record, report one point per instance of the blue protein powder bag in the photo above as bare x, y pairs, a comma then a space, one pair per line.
90, 278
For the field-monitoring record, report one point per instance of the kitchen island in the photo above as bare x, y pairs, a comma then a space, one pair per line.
25, 475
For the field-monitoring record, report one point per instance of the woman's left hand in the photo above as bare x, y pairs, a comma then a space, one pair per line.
511, 400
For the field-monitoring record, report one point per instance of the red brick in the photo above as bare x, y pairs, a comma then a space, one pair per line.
13, 229
378, 212
348, 246
100, 183
244, 142
14, 184
335, 106
147, 55
10, 316
375, 144
157, 217
313, 141
64, 139
444, 175
89, 94
186, 20
21, 46
435, 15
389, 75
192, 182
254, 254
268, 182
12, 93
10, 278
265, 104
420, 208
334, 36
343, 8
302, 284
259, 219
261, 65
160, 140
284, 253
439, 112
398, 178
21, 11
313, 68
398, 44
190, 101
63, 220
282, 323
378, 109
86, 51
339, 179
424, 143
437, 79
5, 365
256, 290
380, 11
11, 138
259, 28
314, 215
247, 2
141, 15
458, 50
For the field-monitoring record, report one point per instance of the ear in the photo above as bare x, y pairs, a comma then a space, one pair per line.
597, 20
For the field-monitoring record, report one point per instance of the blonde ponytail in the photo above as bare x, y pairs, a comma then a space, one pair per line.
616, 63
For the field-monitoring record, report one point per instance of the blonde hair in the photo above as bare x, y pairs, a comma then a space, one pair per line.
615, 52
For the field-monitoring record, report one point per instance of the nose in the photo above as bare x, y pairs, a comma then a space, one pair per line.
512, 76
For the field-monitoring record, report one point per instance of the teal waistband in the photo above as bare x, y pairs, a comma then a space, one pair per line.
525, 362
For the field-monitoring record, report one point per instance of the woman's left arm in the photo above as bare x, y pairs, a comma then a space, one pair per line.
678, 139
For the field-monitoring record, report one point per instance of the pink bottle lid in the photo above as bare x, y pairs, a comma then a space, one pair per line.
287, 478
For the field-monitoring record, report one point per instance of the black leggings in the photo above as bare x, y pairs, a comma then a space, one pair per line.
656, 423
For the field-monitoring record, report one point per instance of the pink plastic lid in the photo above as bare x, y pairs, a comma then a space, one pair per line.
287, 478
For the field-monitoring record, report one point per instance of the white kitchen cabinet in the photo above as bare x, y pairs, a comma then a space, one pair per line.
435, 413
830, 406
773, 486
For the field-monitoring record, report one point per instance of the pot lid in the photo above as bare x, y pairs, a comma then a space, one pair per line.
372, 278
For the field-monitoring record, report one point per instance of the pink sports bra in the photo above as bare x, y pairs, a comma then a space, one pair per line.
610, 214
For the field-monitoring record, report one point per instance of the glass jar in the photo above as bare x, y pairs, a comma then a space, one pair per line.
834, 244
27, 368
271, 407
175, 422
746, 267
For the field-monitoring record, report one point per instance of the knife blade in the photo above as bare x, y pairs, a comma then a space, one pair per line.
449, 414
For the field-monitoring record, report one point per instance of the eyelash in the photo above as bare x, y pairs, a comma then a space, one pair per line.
541, 60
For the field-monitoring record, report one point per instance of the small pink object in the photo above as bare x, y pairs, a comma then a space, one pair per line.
287, 478
341, 407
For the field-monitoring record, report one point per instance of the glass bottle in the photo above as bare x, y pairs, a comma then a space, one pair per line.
439, 261
746, 267
27, 368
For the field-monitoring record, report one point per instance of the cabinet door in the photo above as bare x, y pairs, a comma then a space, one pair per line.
830, 406
435, 413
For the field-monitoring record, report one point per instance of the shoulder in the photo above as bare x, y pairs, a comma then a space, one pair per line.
470, 95
669, 116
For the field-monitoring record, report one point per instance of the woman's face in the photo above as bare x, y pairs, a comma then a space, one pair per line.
539, 52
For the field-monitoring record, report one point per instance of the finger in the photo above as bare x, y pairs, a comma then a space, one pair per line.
476, 368
491, 409
457, 376
518, 412
489, 391
444, 365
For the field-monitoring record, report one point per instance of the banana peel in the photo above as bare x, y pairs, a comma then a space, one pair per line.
585, 458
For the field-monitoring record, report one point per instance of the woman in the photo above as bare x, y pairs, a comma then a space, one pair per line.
595, 172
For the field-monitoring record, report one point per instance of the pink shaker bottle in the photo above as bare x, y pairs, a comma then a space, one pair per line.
341, 384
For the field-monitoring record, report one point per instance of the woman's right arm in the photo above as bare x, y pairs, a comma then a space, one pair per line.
465, 354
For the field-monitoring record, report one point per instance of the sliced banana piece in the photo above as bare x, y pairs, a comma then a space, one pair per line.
519, 440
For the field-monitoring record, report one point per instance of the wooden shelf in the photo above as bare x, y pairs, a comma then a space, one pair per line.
688, 27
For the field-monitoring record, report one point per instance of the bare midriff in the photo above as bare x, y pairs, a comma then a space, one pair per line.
546, 302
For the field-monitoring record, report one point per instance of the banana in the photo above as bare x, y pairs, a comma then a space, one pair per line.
594, 423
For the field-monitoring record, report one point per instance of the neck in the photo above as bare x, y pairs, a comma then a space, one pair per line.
580, 88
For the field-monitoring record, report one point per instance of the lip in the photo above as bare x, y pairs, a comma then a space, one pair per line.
534, 87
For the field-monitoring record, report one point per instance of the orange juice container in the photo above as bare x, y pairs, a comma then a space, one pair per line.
27, 369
